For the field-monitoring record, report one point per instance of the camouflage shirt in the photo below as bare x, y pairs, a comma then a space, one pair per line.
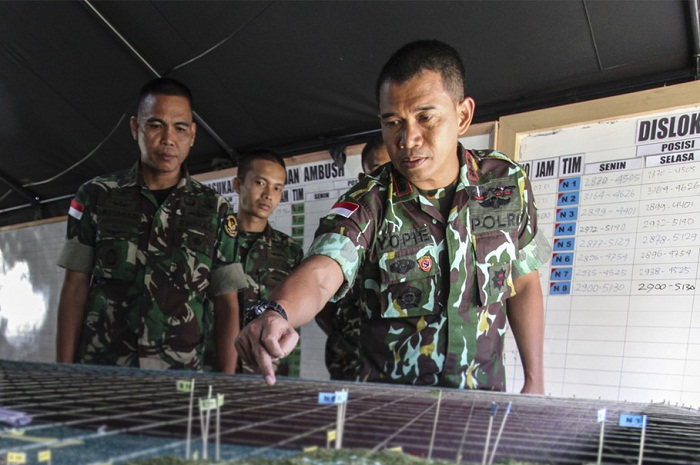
433, 306
154, 268
342, 350
267, 258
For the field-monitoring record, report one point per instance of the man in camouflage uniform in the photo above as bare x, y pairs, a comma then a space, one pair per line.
149, 255
341, 321
444, 239
267, 255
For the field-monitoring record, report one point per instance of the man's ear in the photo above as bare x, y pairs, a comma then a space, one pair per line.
133, 122
194, 133
465, 112
237, 185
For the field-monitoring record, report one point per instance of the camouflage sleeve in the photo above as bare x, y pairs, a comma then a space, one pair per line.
227, 279
298, 253
76, 256
347, 232
341, 249
78, 251
535, 249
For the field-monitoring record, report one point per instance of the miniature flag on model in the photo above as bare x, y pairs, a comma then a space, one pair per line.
500, 431
636, 421
16, 457
494, 410
14, 417
339, 398
187, 386
602, 413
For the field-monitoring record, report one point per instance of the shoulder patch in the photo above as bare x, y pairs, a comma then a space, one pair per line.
76, 209
231, 226
344, 209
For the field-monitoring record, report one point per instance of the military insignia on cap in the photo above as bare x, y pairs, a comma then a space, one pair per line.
425, 263
231, 226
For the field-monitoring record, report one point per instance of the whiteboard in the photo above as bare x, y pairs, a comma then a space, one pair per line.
620, 202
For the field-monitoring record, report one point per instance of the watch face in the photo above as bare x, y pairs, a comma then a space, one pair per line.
259, 308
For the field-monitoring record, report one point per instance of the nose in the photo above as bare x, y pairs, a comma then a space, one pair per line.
411, 135
167, 135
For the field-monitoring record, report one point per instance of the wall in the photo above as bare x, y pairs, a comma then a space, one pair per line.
30, 283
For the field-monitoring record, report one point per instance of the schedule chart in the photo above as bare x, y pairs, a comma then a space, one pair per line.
621, 207
625, 230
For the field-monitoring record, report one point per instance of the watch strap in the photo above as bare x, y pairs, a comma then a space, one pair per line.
261, 307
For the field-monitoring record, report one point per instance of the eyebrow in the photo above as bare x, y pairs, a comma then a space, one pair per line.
416, 110
269, 181
153, 119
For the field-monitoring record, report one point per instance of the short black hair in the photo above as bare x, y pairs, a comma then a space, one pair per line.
245, 160
165, 86
373, 144
432, 55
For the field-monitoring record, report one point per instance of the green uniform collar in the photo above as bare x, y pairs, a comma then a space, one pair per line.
403, 189
134, 177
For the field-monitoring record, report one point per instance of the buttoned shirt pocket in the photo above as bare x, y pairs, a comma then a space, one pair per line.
408, 282
494, 255
115, 248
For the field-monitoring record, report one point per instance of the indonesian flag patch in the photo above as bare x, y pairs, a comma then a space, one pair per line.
76, 209
344, 209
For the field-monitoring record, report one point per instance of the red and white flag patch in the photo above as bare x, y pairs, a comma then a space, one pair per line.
344, 209
76, 209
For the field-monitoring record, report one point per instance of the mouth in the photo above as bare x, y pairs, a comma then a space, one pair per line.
413, 162
166, 156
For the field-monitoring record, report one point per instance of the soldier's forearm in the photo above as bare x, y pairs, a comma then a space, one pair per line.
526, 318
71, 312
308, 288
227, 327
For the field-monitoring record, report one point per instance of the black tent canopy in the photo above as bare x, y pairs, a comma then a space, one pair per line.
297, 76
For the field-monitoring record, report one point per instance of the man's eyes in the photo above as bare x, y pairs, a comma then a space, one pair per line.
160, 126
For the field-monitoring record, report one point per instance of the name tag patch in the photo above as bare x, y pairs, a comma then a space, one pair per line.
404, 239
495, 206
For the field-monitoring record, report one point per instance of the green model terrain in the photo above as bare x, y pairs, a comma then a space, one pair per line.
322, 457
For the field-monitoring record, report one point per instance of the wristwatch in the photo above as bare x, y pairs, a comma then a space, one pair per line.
261, 307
